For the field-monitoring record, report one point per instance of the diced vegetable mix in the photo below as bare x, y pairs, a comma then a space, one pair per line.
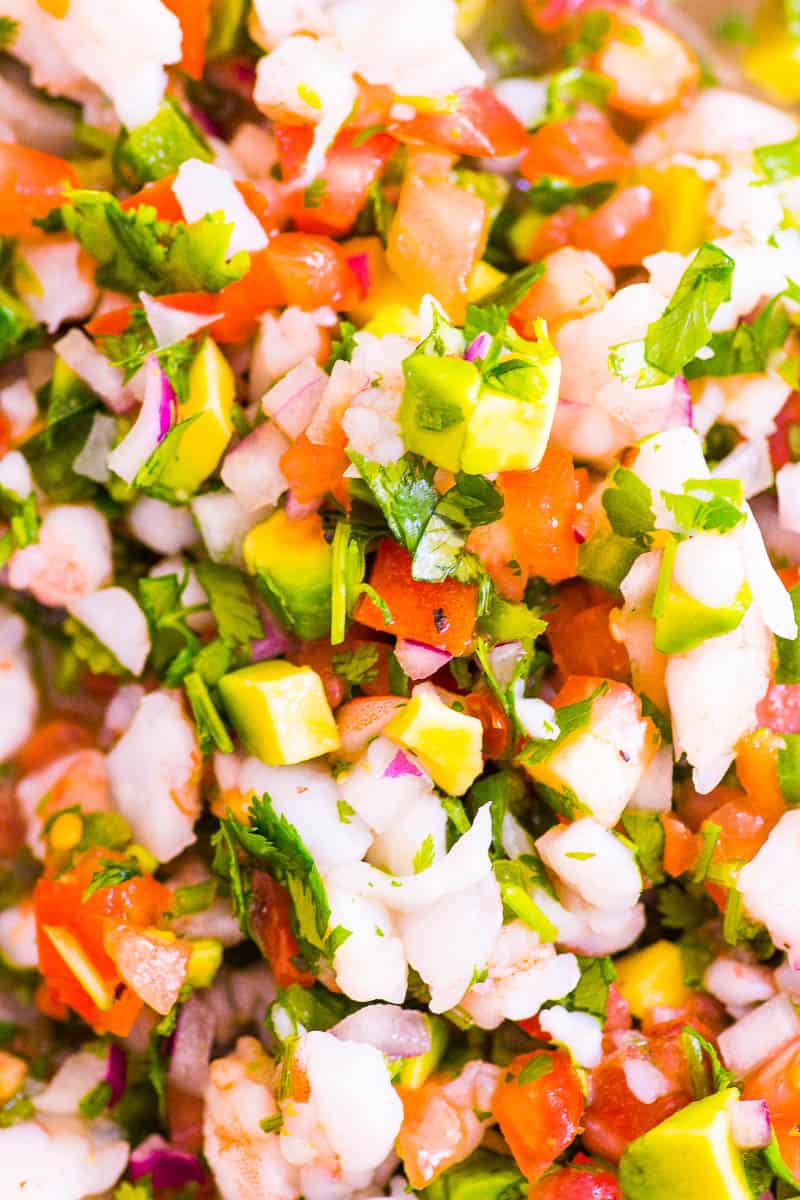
399, 662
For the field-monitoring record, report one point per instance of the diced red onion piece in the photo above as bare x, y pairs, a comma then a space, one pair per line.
166, 1166
252, 471
151, 426
191, 1046
116, 1072
418, 659
400, 765
275, 640
359, 265
83, 357
478, 347
172, 325
750, 1124
759, 1035
396, 1032
293, 400
681, 410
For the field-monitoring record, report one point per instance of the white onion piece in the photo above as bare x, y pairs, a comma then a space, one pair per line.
171, 325
191, 1048
754, 1039
116, 620
738, 984
203, 189
396, 1032
750, 1124
253, 470
294, 399
503, 660
787, 482
580, 1032
152, 425
83, 357
645, 1081
418, 659
654, 793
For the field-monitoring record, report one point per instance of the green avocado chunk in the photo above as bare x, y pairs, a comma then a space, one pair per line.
440, 396
690, 1156
292, 563
482, 1176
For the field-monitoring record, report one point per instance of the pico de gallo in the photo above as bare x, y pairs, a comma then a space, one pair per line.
399, 598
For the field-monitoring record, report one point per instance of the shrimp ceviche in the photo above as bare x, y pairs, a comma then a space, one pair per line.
399, 601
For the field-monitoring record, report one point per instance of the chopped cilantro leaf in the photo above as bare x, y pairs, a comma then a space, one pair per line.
745, 350
539, 1066
549, 193
646, 831
211, 730
780, 160
111, 874
9, 28
425, 855
357, 666
683, 328
96, 1101
571, 87
232, 604
627, 504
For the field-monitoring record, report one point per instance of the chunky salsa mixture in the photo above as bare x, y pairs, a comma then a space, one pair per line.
399, 594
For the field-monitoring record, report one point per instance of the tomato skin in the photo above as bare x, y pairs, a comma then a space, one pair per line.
680, 845
778, 1082
31, 184
481, 126
311, 270
615, 1116
312, 469
780, 450
158, 195
195, 19
579, 634
273, 931
624, 230
583, 148
649, 67
757, 769
352, 166
541, 1118
52, 741
439, 614
577, 1183
483, 704
779, 711
139, 902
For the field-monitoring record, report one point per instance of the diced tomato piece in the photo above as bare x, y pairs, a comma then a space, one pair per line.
272, 930
615, 1115
51, 741
651, 69
680, 845
784, 443
440, 614
195, 19
624, 230
185, 1119
778, 1082
352, 165
757, 771
540, 509
31, 184
311, 270
313, 469
539, 1118
579, 635
437, 236
583, 148
139, 902
584, 1182
160, 196
480, 126
483, 704
549, 15
618, 1012
780, 708
111, 323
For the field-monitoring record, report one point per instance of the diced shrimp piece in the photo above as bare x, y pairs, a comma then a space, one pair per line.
85, 1158
346, 1124
588, 858
19, 700
71, 558
73, 779
650, 69
716, 124
575, 282
523, 973
371, 963
158, 758
56, 284
444, 1120
18, 935
246, 1162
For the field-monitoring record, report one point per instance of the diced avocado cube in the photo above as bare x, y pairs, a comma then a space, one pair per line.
683, 622
482, 1176
440, 397
690, 1156
280, 712
292, 563
212, 392
652, 978
447, 742
159, 147
510, 427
